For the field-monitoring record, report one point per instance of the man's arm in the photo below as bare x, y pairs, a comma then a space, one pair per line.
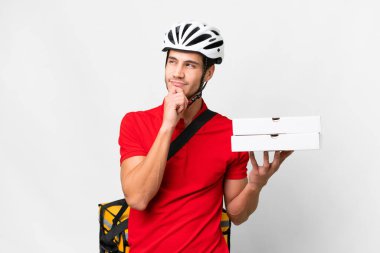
241, 200
141, 176
242, 196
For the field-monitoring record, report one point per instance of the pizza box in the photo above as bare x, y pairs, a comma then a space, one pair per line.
276, 125
267, 142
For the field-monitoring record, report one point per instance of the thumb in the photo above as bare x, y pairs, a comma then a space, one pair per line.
172, 90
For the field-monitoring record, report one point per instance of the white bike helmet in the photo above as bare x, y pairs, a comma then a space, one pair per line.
196, 37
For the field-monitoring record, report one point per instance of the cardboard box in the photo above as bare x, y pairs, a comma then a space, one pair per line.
275, 142
270, 134
280, 125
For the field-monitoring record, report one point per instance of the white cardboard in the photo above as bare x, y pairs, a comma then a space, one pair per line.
282, 125
304, 141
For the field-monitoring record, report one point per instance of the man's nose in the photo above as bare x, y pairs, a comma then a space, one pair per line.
178, 71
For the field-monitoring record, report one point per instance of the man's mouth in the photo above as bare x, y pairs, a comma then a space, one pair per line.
177, 83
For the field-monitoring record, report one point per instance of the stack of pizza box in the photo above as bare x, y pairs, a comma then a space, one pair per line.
277, 133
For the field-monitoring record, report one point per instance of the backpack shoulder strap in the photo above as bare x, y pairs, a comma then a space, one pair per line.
189, 131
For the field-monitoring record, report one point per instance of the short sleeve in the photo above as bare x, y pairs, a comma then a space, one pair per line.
237, 168
129, 141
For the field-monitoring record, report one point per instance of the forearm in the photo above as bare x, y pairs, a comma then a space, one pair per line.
142, 183
244, 204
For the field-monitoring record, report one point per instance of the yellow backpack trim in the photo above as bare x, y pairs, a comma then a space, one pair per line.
119, 243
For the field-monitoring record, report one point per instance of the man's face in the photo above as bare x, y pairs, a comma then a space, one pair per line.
184, 70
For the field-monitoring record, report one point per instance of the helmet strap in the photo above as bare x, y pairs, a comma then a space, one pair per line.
197, 94
202, 85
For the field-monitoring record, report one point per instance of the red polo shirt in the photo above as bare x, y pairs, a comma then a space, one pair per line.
185, 214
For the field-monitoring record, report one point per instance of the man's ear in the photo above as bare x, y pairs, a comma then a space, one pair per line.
209, 73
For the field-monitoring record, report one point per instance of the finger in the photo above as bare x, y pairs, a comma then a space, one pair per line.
174, 90
178, 90
285, 154
181, 102
179, 108
179, 97
266, 159
171, 90
276, 156
253, 159
276, 159
185, 101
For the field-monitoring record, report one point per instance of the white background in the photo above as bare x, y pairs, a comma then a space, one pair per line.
70, 70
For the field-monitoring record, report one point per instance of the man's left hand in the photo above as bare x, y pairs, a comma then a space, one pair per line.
260, 175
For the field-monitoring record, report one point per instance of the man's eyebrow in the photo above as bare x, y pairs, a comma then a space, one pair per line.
193, 62
187, 61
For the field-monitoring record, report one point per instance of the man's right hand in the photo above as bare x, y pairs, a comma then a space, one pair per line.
141, 176
175, 105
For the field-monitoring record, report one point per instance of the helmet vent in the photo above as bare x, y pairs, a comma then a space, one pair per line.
170, 36
177, 33
196, 29
214, 45
199, 39
215, 32
185, 29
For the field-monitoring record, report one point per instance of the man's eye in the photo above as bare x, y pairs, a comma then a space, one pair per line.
191, 65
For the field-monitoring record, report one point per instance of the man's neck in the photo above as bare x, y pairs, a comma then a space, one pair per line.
192, 111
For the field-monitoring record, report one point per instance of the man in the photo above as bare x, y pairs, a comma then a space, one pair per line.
176, 204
